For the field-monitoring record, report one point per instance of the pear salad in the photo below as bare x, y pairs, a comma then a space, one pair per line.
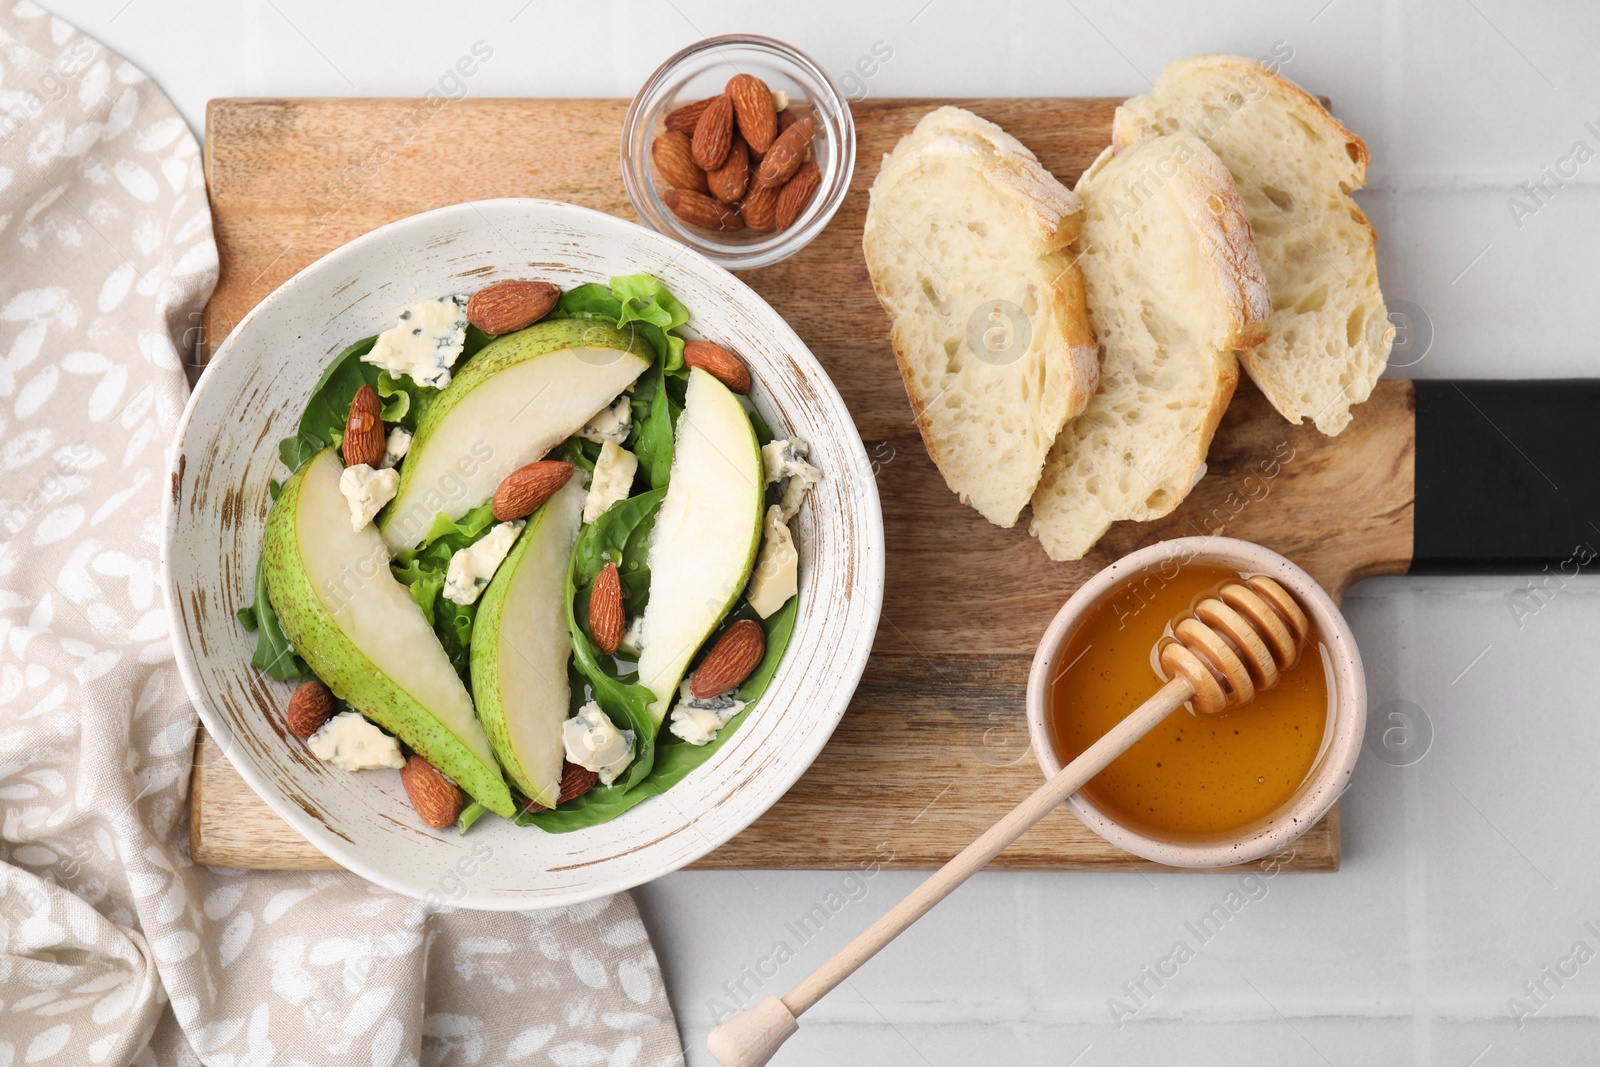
533, 553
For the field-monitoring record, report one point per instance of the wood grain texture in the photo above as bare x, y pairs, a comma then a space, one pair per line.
935, 746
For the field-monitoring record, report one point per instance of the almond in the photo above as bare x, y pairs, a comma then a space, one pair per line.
606, 614
683, 119
785, 155
731, 660
718, 362
525, 489
364, 438
729, 181
698, 209
676, 163
794, 197
506, 307
713, 134
575, 781
437, 799
753, 109
786, 116
760, 208
308, 709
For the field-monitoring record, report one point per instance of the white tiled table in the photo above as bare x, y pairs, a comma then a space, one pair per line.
1467, 873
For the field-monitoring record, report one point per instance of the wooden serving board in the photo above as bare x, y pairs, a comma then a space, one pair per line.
934, 747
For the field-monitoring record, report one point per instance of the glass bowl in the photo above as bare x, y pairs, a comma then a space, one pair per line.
702, 70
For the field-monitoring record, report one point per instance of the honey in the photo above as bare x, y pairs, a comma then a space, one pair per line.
1193, 777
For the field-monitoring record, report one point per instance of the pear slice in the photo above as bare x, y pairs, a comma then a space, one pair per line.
520, 647
706, 534
518, 398
361, 633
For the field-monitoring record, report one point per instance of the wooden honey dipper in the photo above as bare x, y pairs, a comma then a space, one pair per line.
1234, 645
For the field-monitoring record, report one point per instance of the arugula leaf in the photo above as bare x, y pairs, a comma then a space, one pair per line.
273, 653
674, 758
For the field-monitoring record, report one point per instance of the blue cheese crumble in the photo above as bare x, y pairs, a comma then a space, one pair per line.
593, 742
366, 491
697, 721
472, 567
396, 447
351, 743
425, 343
632, 643
611, 481
776, 576
612, 424
785, 460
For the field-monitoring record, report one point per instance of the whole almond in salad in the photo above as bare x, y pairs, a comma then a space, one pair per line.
606, 620
717, 361
509, 306
364, 435
436, 798
308, 709
525, 489
731, 660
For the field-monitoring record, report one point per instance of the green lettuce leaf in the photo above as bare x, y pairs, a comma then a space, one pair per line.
636, 300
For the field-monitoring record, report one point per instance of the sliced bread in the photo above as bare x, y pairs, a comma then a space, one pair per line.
967, 244
1329, 335
1174, 286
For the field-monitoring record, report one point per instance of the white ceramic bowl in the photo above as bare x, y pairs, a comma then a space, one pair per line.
1341, 743
225, 453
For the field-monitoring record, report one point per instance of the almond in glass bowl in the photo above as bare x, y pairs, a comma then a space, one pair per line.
721, 132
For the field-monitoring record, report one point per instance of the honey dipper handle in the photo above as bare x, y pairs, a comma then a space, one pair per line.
751, 1038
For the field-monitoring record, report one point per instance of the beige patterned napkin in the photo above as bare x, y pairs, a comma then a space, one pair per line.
114, 948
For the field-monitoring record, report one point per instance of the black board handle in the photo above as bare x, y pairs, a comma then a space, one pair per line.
1507, 477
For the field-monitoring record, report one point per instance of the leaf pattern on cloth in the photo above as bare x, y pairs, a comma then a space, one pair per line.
114, 947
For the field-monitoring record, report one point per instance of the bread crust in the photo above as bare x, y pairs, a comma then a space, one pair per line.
1124, 132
